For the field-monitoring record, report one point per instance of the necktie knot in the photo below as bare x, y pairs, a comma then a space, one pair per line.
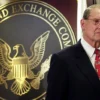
97, 52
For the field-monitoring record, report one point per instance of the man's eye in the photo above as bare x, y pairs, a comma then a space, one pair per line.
96, 21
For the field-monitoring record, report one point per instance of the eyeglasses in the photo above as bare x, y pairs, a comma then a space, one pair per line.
95, 21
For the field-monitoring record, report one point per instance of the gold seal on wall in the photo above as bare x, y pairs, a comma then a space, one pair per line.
31, 31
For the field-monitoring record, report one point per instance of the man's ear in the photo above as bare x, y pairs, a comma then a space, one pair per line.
82, 23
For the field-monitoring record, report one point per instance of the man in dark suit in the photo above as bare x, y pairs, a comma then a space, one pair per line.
72, 74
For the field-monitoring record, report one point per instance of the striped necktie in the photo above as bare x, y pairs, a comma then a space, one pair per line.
97, 62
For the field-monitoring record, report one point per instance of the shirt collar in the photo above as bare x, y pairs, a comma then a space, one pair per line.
87, 47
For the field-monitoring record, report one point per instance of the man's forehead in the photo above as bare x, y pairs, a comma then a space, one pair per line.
95, 12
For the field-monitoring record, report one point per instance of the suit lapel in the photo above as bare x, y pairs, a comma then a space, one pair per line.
85, 65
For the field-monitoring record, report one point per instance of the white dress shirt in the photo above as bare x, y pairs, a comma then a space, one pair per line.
89, 50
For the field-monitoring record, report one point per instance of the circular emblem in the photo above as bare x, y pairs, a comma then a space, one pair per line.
30, 32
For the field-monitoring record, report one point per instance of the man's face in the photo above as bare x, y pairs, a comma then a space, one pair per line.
91, 26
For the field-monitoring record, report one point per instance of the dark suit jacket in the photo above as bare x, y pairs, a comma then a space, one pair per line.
72, 77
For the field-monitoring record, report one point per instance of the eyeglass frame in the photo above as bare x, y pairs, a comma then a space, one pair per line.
96, 21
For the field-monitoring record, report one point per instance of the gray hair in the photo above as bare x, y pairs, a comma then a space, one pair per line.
86, 13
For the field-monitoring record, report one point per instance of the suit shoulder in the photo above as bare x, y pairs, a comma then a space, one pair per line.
69, 51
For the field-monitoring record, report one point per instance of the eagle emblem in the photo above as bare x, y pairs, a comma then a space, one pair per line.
19, 67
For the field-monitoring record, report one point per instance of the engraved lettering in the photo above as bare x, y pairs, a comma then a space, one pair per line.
20, 6
33, 8
26, 7
56, 22
0, 16
52, 17
5, 12
46, 13
39, 11
65, 36
14, 9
